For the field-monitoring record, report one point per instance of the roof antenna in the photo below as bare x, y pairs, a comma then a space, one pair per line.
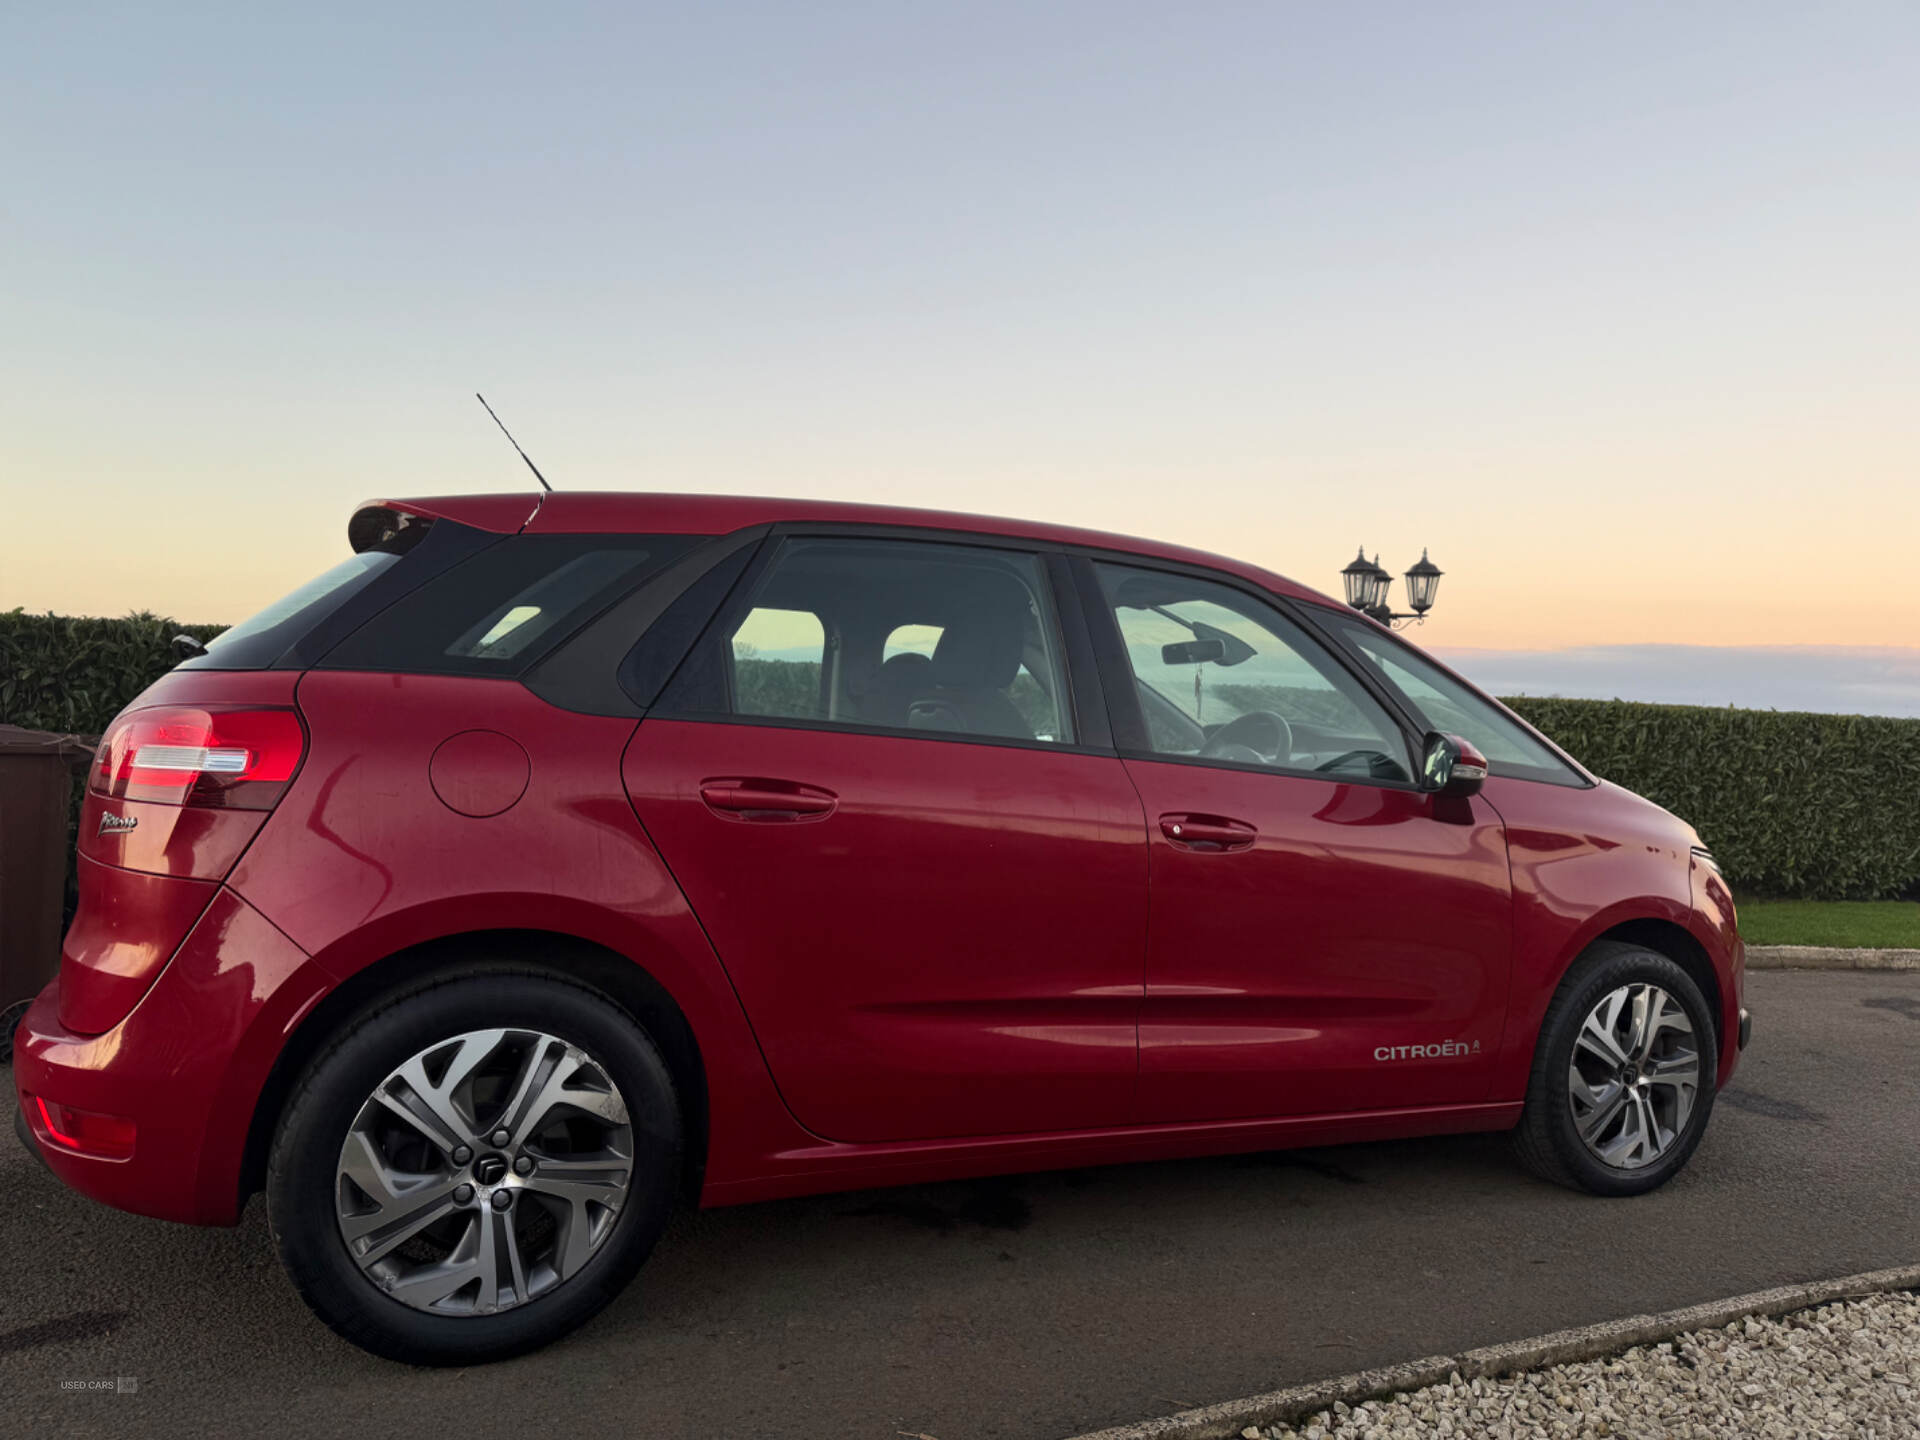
515, 443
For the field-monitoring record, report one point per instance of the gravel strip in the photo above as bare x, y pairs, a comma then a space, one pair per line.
1848, 1369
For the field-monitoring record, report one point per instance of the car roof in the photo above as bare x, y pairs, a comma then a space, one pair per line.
615, 512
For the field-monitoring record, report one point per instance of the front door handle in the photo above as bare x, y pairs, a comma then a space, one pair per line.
775, 801
1208, 832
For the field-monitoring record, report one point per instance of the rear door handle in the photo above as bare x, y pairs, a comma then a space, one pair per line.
775, 801
1208, 832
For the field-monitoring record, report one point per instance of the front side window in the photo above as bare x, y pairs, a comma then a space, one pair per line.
892, 635
1222, 676
1448, 704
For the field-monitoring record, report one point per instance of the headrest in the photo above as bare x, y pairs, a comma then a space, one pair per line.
902, 674
981, 649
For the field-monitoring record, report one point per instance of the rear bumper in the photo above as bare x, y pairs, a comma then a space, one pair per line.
186, 1066
25, 1136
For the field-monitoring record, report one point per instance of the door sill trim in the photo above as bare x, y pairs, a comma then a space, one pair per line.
832, 1165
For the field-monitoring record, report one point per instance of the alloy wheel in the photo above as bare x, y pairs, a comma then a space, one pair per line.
484, 1171
1634, 1076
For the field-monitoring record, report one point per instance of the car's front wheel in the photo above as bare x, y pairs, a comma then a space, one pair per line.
475, 1167
1623, 1076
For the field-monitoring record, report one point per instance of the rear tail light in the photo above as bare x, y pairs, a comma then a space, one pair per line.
181, 755
108, 1137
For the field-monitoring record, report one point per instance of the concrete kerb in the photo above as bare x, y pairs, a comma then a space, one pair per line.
1824, 957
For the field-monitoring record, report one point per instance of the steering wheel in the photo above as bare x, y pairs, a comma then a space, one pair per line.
1265, 734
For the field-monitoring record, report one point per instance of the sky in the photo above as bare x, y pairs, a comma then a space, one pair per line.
1612, 309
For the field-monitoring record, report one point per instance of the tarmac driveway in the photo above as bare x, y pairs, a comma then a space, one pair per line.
1035, 1307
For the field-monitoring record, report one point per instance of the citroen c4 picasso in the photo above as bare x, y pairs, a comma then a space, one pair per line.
553, 861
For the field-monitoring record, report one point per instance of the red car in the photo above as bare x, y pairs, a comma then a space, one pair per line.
554, 860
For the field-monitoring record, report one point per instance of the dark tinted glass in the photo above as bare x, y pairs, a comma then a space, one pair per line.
655, 655
259, 641
506, 607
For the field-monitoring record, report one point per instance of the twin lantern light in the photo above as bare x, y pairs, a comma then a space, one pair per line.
1367, 585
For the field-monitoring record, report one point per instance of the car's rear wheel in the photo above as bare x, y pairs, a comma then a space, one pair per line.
475, 1167
1623, 1074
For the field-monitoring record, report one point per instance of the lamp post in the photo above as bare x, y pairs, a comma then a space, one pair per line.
1367, 585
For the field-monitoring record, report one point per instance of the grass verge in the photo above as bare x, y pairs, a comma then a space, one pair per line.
1862, 924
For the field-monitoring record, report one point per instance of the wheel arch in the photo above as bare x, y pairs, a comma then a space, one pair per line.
1548, 955
620, 978
1678, 944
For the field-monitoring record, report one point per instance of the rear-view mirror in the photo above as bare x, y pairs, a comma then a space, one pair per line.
1193, 652
1233, 648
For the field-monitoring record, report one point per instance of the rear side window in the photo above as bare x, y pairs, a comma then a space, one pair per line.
259, 639
899, 635
506, 607
262, 640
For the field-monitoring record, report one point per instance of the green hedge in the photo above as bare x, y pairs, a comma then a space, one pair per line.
1817, 807
1797, 806
74, 674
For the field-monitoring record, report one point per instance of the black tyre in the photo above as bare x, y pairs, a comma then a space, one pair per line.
475, 1166
1623, 1075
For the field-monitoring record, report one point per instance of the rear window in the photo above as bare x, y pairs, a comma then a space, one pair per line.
503, 609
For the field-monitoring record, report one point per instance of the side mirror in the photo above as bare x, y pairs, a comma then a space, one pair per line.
1192, 652
1452, 766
